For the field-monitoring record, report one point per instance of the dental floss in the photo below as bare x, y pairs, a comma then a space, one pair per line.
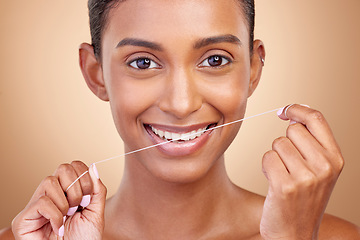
286, 109
172, 140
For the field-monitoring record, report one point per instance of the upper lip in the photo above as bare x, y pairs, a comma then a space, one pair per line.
180, 129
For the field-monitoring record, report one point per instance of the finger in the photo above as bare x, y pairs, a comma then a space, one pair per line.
282, 113
85, 181
41, 212
314, 122
67, 175
54, 191
290, 156
99, 191
274, 169
322, 162
51, 187
307, 145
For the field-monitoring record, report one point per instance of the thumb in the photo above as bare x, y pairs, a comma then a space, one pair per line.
97, 203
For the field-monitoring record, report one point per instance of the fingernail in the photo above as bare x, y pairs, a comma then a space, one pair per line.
85, 201
71, 211
304, 105
61, 231
280, 111
96, 171
292, 122
64, 219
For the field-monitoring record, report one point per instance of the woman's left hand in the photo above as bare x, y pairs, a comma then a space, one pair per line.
302, 169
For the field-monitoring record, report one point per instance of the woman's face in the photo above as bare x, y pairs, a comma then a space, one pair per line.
171, 68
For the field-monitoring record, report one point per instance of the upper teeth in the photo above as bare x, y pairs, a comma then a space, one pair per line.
178, 136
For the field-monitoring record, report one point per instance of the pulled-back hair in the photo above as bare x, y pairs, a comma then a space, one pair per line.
99, 10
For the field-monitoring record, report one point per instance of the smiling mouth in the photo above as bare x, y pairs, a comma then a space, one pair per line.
179, 137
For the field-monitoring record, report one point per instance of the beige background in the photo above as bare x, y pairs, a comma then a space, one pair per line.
48, 116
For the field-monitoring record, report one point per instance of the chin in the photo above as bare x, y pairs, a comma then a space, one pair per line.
182, 171
185, 176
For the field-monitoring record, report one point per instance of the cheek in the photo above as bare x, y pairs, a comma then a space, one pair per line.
128, 101
126, 95
229, 94
129, 98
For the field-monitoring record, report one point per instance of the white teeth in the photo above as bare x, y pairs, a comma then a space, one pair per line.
179, 136
185, 137
161, 133
192, 135
168, 135
199, 132
176, 136
155, 130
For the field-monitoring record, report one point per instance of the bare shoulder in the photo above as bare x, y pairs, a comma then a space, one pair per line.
334, 228
6, 234
331, 228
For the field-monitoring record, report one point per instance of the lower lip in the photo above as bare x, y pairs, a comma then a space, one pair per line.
179, 149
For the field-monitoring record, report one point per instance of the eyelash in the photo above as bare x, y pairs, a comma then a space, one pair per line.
227, 59
153, 64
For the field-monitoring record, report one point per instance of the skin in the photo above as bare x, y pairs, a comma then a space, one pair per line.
189, 195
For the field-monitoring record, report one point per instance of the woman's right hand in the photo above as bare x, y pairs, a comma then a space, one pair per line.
54, 214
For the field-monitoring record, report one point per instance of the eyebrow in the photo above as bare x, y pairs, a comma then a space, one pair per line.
217, 39
229, 38
139, 43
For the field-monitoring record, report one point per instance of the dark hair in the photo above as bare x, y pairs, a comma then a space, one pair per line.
99, 10
248, 7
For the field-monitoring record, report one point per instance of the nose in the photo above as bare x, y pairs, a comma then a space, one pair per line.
181, 96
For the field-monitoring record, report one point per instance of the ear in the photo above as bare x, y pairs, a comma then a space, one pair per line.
257, 63
92, 71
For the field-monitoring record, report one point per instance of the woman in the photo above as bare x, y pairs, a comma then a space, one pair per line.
168, 69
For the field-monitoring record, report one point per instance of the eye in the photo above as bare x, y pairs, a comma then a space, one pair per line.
215, 61
143, 63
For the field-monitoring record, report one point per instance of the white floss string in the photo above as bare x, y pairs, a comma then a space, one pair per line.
172, 140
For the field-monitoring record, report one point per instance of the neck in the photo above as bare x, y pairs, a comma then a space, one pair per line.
146, 199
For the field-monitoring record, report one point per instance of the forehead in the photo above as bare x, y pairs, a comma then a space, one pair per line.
176, 19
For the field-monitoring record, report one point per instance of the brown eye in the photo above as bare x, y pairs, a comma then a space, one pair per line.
143, 63
215, 61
